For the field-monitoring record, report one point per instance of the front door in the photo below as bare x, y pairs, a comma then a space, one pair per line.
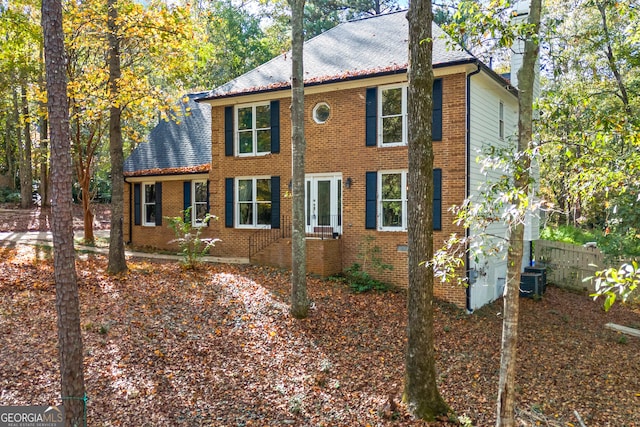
323, 204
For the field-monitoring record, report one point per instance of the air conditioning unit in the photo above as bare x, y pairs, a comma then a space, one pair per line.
539, 270
531, 285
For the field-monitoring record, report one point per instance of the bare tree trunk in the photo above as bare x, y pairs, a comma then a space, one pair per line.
84, 150
420, 387
26, 174
67, 300
87, 214
508, 358
8, 146
18, 130
44, 163
44, 147
299, 298
117, 261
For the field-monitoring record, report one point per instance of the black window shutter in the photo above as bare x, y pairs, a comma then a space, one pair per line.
158, 203
437, 110
372, 117
437, 199
228, 202
275, 126
137, 212
228, 131
275, 202
371, 199
186, 185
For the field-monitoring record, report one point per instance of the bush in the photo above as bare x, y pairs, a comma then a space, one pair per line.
360, 281
192, 246
8, 195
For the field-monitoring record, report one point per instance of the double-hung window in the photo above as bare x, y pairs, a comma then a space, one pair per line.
392, 126
253, 129
199, 206
392, 188
149, 204
254, 202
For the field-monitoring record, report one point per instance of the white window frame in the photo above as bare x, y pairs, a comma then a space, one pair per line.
403, 199
145, 203
254, 130
315, 112
254, 192
197, 222
403, 114
501, 120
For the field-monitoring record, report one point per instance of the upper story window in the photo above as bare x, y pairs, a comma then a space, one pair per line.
253, 129
149, 204
386, 120
321, 112
501, 121
253, 202
199, 205
392, 110
393, 200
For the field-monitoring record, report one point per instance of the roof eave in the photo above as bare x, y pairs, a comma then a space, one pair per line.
329, 80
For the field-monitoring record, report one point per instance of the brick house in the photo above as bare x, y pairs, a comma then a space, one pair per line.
356, 158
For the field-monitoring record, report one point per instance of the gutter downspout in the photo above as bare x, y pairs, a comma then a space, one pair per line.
468, 180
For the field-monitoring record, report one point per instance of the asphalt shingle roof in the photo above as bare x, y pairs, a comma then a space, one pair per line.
183, 147
354, 49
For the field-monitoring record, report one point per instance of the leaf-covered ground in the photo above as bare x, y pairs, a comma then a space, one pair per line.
39, 219
167, 347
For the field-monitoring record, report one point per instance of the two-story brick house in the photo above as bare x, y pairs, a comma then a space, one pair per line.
356, 158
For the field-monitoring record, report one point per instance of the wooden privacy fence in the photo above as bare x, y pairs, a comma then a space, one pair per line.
568, 265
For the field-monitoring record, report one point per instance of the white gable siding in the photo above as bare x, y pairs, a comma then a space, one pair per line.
485, 96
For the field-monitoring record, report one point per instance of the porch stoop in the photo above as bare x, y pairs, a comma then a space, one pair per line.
324, 256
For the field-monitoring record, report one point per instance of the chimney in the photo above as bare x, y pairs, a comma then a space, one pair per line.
521, 15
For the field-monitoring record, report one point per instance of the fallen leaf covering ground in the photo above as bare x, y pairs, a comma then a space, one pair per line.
39, 219
216, 347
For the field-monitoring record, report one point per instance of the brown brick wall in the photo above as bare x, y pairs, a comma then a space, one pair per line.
324, 257
335, 146
339, 146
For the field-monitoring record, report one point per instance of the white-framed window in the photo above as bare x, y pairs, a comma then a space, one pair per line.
501, 121
149, 204
392, 115
199, 203
321, 112
253, 129
253, 201
392, 191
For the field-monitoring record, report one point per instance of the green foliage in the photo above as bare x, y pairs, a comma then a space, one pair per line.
568, 234
192, 246
360, 281
8, 195
615, 283
358, 276
615, 244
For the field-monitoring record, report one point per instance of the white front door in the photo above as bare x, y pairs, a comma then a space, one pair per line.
323, 204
